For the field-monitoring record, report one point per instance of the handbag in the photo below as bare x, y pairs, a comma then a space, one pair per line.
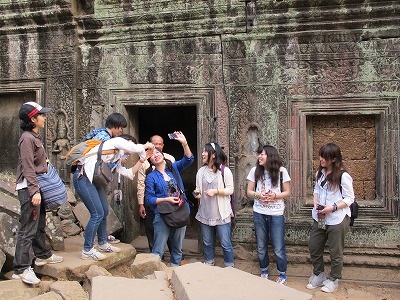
102, 174
174, 215
52, 188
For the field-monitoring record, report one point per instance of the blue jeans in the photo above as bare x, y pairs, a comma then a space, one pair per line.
224, 233
95, 201
273, 226
161, 234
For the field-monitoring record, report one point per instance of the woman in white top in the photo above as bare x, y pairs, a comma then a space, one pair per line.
94, 196
333, 194
213, 189
269, 185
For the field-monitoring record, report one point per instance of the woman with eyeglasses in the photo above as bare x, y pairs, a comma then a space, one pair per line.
162, 186
333, 195
213, 190
268, 183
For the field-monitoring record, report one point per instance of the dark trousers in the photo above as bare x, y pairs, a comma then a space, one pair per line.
31, 233
334, 234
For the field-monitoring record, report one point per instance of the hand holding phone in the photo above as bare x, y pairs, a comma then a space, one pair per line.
172, 136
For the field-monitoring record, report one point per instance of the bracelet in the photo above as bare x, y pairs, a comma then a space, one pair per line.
335, 208
185, 145
275, 196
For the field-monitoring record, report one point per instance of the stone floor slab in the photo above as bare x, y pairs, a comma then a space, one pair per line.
198, 281
121, 288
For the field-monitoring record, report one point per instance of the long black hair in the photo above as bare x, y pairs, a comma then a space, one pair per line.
220, 156
331, 152
274, 162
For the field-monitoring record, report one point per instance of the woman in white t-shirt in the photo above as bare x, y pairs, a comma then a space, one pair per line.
264, 185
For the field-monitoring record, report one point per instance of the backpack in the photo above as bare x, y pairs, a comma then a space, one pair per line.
233, 204
79, 151
353, 207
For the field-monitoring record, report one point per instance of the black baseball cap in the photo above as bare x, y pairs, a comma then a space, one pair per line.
31, 109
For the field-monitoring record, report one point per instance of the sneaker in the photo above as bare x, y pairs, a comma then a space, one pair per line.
264, 275
112, 239
209, 263
92, 254
281, 280
330, 286
28, 276
51, 260
316, 281
107, 247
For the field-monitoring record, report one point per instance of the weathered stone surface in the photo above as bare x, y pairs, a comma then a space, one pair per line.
104, 287
54, 231
189, 282
16, 289
146, 264
10, 205
74, 268
83, 216
69, 290
8, 234
49, 296
2, 259
69, 228
65, 212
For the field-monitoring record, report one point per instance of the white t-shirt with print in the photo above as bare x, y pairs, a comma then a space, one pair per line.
276, 208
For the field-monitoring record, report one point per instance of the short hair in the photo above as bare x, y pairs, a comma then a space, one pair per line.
116, 120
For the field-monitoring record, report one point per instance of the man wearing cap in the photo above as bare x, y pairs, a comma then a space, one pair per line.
31, 161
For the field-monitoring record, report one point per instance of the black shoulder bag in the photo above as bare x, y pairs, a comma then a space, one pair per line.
175, 215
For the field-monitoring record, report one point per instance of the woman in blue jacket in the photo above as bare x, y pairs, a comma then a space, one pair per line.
159, 185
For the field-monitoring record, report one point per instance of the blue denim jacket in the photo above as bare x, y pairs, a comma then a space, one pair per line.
156, 187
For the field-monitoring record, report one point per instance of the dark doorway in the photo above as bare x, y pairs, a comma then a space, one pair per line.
162, 120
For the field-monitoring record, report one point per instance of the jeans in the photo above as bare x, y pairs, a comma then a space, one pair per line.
161, 234
224, 233
31, 233
95, 201
273, 226
334, 234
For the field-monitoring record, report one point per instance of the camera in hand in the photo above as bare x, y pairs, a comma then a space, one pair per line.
320, 207
172, 136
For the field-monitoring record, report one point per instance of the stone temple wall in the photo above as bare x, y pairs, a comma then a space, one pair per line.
257, 72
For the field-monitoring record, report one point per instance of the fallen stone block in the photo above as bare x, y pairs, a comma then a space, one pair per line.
83, 216
54, 231
74, 268
105, 288
146, 264
69, 228
10, 206
69, 290
93, 271
16, 289
48, 296
189, 282
8, 234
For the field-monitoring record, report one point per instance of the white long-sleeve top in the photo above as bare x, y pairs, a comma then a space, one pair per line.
327, 196
123, 146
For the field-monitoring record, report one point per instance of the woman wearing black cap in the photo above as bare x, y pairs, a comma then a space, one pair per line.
31, 161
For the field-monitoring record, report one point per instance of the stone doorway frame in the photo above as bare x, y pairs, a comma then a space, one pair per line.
384, 208
202, 98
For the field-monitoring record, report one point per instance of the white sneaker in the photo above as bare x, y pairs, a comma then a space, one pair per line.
107, 247
330, 286
316, 281
28, 276
92, 254
51, 260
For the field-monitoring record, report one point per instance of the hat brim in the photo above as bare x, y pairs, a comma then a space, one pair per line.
44, 110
